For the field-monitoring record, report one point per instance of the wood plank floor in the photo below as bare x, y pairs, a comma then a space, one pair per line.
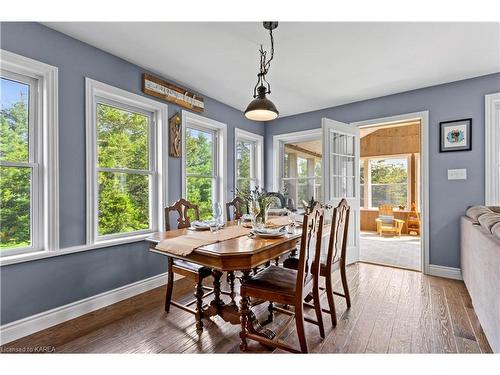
393, 311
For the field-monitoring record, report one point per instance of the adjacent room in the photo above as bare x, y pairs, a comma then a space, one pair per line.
250, 187
390, 195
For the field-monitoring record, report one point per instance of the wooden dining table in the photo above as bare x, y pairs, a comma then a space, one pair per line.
242, 254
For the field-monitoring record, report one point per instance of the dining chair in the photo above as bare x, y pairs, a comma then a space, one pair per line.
288, 287
335, 257
239, 205
190, 270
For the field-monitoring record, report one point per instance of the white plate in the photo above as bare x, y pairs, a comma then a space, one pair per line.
277, 234
199, 228
271, 235
202, 228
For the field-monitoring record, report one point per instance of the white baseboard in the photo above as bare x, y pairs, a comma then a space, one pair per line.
27, 326
447, 272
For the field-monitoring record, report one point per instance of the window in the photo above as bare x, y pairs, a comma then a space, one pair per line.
20, 181
124, 163
248, 159
385, 181
28, 130
204, 162
301, 174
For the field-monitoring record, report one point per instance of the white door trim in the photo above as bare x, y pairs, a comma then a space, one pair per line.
424, 171
492, 145
280, 139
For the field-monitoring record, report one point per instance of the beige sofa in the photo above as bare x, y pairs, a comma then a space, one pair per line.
480, 262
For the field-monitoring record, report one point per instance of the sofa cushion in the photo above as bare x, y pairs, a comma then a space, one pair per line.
488, 220
495, 230
474, 212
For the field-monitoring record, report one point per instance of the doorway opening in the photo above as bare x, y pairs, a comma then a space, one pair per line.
299, 162
390, 194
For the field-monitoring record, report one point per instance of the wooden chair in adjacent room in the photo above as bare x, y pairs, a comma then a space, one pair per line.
386, 222
190, 270
288, 287
335, 258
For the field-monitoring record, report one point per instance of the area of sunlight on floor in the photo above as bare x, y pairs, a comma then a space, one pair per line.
404, 251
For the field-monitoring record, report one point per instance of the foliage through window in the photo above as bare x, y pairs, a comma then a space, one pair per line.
19, 164
388, 181
201, 169
124, 173
246, 167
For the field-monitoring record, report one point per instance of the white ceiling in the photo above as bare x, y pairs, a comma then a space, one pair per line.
316, 65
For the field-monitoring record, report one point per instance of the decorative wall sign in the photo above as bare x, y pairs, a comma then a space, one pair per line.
171, 93
174, 125
455, 135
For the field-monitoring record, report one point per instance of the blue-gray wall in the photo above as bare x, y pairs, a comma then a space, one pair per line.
448, 199
32, 287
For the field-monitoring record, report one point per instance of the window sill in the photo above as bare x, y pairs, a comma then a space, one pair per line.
36, 255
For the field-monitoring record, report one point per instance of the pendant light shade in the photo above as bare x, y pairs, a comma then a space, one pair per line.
261, 108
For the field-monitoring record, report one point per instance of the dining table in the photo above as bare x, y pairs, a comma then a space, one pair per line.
241, 254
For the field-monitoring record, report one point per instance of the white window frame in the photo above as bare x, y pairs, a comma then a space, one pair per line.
257, 161
492, 149
44, 148
97, 92
194, 121
279, 142
368, 178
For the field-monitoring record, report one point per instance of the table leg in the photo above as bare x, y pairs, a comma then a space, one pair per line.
230, 277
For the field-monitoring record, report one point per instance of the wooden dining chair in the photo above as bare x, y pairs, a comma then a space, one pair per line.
335, 257
239, 205
190, 270
288, 287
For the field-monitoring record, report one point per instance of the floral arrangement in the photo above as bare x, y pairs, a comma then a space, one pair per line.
257, 195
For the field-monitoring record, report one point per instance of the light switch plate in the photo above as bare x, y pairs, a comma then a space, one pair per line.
457, 174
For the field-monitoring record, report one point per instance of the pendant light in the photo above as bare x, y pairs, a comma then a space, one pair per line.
261, 108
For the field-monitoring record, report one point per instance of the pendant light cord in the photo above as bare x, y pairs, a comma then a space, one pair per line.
264, 68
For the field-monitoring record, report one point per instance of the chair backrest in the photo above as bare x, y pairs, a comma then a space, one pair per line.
239, 205
385, 210
280, 200
339, 231
182, 207
310, 247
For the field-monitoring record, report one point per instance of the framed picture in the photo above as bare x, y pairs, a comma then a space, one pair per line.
455, 135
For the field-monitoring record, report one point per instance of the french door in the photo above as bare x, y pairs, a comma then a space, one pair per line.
341, 175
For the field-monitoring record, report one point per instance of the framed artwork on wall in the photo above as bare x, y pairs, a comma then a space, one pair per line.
455, 135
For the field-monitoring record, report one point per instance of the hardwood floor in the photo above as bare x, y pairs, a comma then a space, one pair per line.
393, 311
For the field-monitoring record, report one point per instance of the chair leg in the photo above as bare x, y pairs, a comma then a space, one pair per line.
344, 283
244, 310
299, 321
317, 308
199, 306
329, 296
170, 284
